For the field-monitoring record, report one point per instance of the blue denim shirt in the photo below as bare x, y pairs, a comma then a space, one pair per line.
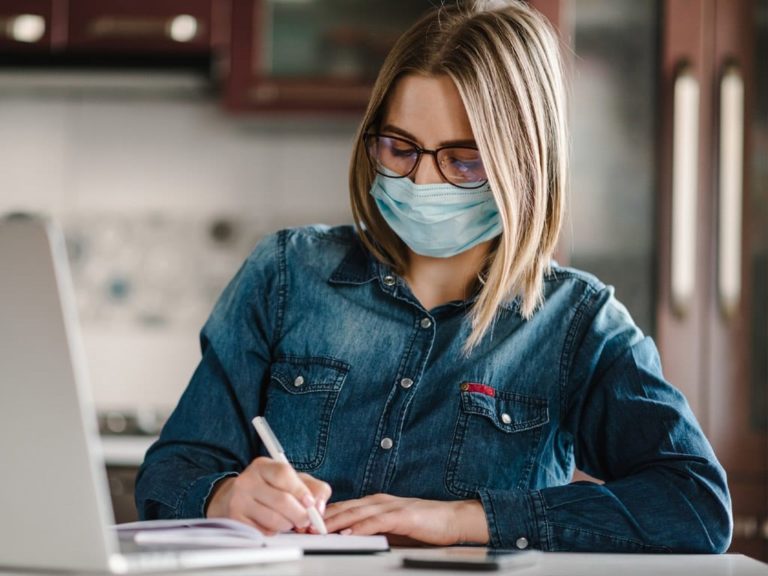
339, 355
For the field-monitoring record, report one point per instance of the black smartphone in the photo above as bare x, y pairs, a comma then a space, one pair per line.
481, 559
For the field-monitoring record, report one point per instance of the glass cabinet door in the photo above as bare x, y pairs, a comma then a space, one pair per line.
332, 38
611, 227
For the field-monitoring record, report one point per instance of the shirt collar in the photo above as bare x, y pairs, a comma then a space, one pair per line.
360, 267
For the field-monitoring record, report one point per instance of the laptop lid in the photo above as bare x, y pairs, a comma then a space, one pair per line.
53, 488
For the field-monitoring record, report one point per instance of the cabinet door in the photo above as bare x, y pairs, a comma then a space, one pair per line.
736, 347
27, 26
161, 26
311, 56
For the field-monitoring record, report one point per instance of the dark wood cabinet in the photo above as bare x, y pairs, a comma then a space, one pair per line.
160, 27
122, 486
31, 26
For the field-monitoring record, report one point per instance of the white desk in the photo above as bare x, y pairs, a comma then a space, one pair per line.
550, 564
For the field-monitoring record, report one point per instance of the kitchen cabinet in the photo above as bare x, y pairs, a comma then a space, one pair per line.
159, 27
311, 56
31, 26
104, 28
669, 204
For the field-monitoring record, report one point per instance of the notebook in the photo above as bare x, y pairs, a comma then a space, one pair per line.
223, 532
53, 490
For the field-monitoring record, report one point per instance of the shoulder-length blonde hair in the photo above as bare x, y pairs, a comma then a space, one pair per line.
504, 59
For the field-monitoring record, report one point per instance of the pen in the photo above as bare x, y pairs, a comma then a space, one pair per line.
277, 453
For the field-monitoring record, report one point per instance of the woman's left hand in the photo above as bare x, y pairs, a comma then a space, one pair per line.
426, 521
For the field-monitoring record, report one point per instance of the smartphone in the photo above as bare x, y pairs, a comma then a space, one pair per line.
481, 559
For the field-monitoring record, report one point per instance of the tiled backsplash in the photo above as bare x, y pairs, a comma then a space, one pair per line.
154, 270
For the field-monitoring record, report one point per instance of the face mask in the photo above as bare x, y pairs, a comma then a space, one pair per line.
439, 220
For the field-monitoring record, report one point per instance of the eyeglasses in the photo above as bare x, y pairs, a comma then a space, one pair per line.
397, 158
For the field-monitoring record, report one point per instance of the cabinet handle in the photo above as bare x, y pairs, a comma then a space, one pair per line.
731, 189
180, 28
685, 159
27, 28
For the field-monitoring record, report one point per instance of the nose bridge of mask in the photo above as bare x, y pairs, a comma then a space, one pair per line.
436, 190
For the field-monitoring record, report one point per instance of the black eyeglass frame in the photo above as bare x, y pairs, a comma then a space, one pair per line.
419, 153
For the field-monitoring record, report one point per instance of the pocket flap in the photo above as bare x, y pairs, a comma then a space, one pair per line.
301, 375
508, 411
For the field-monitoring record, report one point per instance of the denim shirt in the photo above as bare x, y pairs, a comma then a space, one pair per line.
369, 391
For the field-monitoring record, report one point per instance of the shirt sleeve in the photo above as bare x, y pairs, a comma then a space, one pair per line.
663, 491
208, 436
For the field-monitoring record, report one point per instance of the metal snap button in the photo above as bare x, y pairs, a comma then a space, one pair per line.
299, 381
426, 323
406, 383
386, 443
522, 543
506, 418
464, 387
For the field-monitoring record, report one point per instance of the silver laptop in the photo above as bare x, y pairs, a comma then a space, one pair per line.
55, 511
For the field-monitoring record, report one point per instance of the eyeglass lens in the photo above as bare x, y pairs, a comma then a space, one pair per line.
460, 166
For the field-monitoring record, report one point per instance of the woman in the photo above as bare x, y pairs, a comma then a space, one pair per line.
429, 372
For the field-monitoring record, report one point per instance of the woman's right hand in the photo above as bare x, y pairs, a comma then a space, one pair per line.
269, 495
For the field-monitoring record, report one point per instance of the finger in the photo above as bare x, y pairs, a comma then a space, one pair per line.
282, 502
349, 518
382, 523
283, 477
319, 489
339, 507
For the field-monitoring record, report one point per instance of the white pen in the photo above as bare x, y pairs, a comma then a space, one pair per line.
277, 453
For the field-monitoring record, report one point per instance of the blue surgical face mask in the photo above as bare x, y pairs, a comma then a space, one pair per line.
439, 220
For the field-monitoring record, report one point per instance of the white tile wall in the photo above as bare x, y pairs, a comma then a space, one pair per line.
90, 158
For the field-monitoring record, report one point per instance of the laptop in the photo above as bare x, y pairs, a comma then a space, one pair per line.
55, 511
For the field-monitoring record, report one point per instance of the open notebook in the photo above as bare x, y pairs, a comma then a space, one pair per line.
223, 532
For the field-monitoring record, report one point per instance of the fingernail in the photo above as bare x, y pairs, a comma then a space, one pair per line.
321, 507
346, 532
308, 501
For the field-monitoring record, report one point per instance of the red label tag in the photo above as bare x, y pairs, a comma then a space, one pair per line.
476, 387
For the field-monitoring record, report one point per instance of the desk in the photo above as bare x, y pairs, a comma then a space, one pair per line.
550, 564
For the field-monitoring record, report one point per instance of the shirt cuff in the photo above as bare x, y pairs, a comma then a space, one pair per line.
194, 499
515, 519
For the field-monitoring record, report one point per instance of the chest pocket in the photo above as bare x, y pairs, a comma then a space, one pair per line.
301, 397
496, 440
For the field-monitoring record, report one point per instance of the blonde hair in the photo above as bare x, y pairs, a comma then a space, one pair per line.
504, 59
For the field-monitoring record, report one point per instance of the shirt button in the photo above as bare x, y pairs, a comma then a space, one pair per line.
387, 443
406, 383
522, 543
506, 418
426, 323
299, 381
389, 280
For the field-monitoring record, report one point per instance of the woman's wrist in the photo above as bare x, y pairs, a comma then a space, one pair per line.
472, 523
215, 508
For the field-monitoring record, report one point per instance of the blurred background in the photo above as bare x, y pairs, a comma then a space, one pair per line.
168, 136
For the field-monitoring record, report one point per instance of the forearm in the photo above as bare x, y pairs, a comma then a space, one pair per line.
657, 510
169, 487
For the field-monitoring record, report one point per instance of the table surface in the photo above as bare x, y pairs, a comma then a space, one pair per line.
549, 564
